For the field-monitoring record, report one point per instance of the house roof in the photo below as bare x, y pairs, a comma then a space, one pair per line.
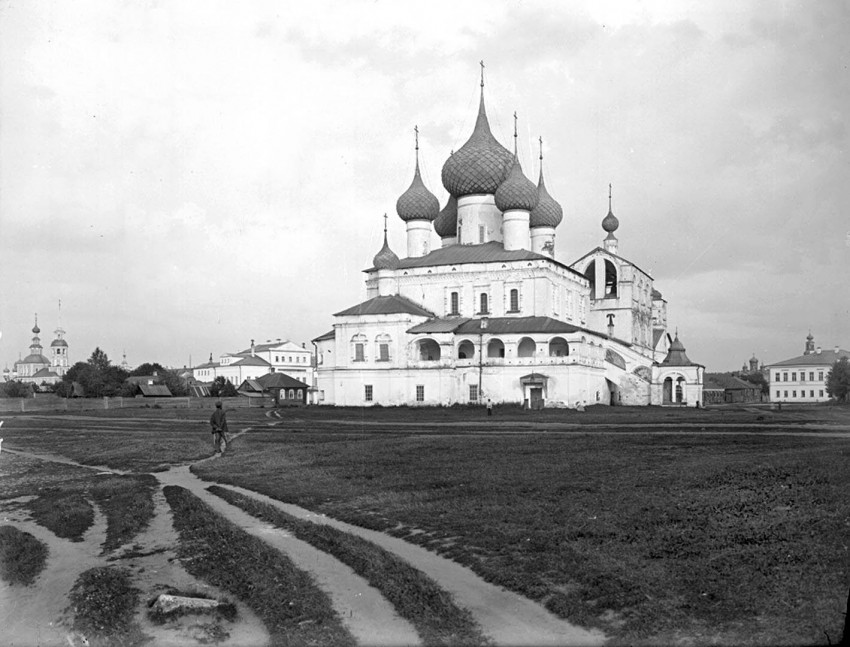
824, 358
44, 372
385, 305
280, 381
154, 390
250, 361
492, 252
261, 348
499, 326
331, 334
726, 382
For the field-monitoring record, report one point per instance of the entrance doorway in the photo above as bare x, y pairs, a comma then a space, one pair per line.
536, 397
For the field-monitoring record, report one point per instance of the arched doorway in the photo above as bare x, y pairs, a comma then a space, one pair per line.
429, 350
667, 391
466, 350
495, 348
680, 390
526, 348
558, 347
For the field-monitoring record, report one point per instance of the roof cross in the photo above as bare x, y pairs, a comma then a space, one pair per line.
482, 73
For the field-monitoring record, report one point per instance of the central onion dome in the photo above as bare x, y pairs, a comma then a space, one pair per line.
481, 164
445, 223
547, 213
417, 203
517, 191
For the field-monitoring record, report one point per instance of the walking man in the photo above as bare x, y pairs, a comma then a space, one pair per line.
489, 407
218, 421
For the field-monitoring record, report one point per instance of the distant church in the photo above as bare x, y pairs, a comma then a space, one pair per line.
36, 368
491, 315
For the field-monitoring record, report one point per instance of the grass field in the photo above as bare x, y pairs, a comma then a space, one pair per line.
721, 535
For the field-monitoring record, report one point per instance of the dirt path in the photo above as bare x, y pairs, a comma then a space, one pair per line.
505, 617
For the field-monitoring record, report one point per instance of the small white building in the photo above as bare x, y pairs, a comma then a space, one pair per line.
803, 378
259, 359
491, 314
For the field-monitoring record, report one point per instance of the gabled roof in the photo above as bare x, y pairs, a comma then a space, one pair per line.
492, 252
607, 253
823, 358
155, 390
499, 326
250, 361
386, 305
44, 372
259, 348
281, 381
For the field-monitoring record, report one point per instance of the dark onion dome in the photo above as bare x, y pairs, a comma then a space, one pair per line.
517, 191
610, 222
417, 203
481, 164
58, 342
445, 224
386, 258
547, 213
36, 329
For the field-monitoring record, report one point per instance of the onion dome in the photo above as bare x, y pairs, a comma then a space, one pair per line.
481, 164
517, 191
386, 258
445, 224
610, 222
547, 213
58, 342
417, 203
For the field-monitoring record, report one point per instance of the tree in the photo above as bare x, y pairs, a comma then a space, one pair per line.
757, 379
147, 369
97, 376
16, 389
221, 388
838, 380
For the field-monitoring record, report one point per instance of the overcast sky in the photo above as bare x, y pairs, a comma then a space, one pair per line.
187, 176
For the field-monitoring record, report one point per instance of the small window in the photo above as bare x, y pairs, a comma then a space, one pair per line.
793, 377
291, 394
793, 394
777, 394
473, 393
484, 309
359, 352
811, 394
300, 394
820, 376
383, 352
367, 395
420, 393
785, 394
514, 300
455, 303
785, 377
811, 376
778, 378
482, 234
821, 393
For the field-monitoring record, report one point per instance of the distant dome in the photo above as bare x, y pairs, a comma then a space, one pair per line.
35, 359
445, 224
517, 191
385, 259
417, 203
36, 329
547, 213
58, 342
481, 164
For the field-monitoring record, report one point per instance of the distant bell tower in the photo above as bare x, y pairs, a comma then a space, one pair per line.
59, 347
810, 344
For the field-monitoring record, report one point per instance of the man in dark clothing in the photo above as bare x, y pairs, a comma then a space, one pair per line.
218, 421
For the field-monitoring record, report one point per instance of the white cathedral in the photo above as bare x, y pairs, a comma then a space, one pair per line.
491, 315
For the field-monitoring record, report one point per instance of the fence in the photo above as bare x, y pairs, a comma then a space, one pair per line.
54, 403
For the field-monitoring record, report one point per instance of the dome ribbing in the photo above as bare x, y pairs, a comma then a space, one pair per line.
517, 191
481, 164
445, 224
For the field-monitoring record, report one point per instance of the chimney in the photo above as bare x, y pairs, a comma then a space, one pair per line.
837, 349
818, 350
303, 346
252, 348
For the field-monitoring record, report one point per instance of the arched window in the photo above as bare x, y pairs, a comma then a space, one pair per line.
291, 394
382, 348
610, 279
484, 309
495, 348
558, 347
680, 390
429, 350
526, 347
358, 348
455, 304
514, 300
590, 275
300, 394
466, 350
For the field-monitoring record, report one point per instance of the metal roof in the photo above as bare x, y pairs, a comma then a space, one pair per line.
386, 305
823, 358
499, 326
